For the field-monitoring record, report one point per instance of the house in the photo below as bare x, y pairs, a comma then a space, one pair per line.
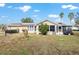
54, 28
21, 26
75, 27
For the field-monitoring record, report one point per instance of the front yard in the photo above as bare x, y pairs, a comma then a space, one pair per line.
39, 44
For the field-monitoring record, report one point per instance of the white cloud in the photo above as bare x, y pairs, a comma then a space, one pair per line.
66, 6
34, 16
74, 7
36, 10
3, 16
2, 4
71, 7
9, 6
25, 8
53, 16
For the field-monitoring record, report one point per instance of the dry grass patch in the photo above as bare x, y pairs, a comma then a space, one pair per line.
39, 44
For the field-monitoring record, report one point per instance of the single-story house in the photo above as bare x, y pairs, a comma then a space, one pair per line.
54, 28
75, 27
22, 26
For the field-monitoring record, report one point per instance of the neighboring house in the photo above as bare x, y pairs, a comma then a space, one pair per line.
75, 27
22, 26
34, 28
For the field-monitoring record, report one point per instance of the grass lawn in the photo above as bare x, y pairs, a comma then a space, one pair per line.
16, 44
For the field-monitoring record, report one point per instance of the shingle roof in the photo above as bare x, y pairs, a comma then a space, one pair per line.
26, 24
61, 24
19, 24
53, 23
48, 21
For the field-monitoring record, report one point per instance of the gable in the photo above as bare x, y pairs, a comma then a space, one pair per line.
47, 22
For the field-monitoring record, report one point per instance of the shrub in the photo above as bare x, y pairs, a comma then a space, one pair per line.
43, 28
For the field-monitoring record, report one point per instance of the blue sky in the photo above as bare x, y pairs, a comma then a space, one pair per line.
14, 12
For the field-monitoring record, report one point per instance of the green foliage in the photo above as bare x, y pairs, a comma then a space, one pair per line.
61, 15
71, 16
77, 21
43, 29
27, 20
77, 18
3, 27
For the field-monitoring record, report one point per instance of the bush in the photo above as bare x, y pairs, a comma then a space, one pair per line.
43, 29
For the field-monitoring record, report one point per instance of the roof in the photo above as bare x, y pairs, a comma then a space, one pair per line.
26, 24
53, 23
48, 21
19, 24
61, 24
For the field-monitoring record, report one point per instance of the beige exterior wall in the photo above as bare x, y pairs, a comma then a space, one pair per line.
48, 23
17, 28
22, 28
75, 28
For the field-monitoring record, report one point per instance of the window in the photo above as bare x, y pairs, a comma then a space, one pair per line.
31, 28
59, 27
35, 28
52, 28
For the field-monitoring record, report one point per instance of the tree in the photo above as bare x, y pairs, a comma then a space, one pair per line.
77, 18
61, 15
77, 21
27, 20
71, 16
43, 28
3, 28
